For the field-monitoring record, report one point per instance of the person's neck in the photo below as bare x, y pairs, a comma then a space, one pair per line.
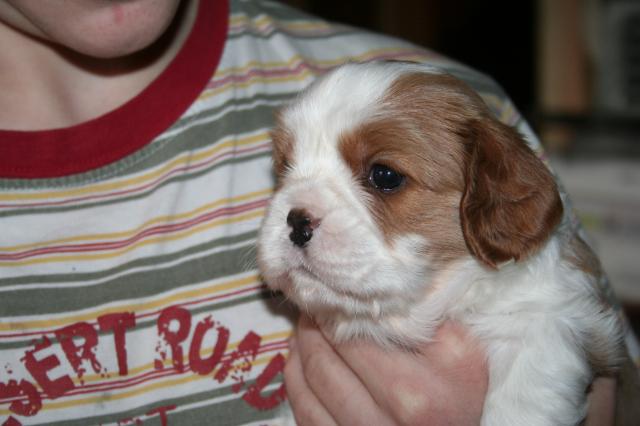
43, 86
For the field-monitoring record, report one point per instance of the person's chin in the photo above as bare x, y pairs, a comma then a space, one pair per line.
118, 34
113, 47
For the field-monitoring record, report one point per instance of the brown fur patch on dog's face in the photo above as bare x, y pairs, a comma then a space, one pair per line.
282, 142
471, 183
418, 134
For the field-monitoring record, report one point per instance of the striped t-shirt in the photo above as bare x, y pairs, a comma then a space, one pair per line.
128, 287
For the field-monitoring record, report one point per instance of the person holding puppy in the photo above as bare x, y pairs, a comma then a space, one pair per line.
134, 171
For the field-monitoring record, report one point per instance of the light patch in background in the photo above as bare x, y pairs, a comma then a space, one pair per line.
606, 195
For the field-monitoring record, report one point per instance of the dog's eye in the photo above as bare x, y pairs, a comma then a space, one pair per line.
385, 179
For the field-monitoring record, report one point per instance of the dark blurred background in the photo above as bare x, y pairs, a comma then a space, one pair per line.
497, 37
572, 67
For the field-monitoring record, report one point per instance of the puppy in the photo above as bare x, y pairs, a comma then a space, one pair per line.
402, 202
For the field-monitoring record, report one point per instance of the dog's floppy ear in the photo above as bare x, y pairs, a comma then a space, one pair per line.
511, 204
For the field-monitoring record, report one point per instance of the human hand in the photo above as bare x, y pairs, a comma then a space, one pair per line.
444, 383
362, 384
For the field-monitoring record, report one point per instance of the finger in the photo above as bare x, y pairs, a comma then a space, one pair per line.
307, 409
451, 351
602, 402
416, 382
333, 382
456, 355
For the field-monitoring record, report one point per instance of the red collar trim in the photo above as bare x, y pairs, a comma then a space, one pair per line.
111, 137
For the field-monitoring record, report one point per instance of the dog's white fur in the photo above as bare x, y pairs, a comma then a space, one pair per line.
538, 318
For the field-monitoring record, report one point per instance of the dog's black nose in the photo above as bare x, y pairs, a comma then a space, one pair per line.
302, 224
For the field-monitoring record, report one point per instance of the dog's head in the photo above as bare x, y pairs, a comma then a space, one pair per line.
389, 173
